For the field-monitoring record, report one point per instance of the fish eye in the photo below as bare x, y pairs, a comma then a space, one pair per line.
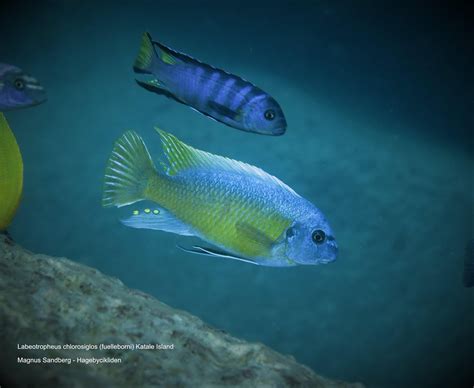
19, 84
318, 236
269, 114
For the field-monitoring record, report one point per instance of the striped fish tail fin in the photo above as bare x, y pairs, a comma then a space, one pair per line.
128, 171
144, 62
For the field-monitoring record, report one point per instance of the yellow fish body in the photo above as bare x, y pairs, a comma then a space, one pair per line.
11, 174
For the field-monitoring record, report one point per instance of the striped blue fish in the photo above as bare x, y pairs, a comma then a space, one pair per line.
213, 92
18, 89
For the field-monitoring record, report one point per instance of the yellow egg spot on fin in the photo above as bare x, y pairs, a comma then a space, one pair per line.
147, 211
136, 212
156, 211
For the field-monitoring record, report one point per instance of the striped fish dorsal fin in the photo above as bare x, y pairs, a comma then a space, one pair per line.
181, 156
189, 59
168, 55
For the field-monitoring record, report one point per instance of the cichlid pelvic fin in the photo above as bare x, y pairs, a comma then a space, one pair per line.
215, 253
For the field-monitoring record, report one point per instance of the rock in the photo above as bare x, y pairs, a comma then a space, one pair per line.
54, 302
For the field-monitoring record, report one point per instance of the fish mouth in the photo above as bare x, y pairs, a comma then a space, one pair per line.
331, 253
273, 132
326, 261
279, 131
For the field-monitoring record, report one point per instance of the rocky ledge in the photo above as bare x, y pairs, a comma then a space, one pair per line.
54, 313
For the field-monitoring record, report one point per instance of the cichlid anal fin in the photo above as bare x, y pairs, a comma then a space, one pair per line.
158, 88
156, 218
215, 253
223, 110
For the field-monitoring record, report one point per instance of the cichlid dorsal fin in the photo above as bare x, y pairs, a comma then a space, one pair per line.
171, 56
181, 157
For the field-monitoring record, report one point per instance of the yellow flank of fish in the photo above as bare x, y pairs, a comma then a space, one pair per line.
11, 174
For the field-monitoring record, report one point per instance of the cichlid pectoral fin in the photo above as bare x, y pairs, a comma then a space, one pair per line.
257, 236
223, 110
215, 252
156, 218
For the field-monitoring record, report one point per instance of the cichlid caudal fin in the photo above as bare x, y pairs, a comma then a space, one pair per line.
146, 54
128, 170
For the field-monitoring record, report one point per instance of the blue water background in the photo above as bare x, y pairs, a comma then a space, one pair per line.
378, 138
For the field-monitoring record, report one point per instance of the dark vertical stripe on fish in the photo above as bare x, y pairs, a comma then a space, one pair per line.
232, 90
236, 95
214, 86
223, 95
199, 81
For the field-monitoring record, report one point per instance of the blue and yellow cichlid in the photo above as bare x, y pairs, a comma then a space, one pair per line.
11, 174
213, 92
246, 213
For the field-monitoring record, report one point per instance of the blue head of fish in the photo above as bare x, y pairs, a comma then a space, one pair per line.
264, 115
18, 89
310, 240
